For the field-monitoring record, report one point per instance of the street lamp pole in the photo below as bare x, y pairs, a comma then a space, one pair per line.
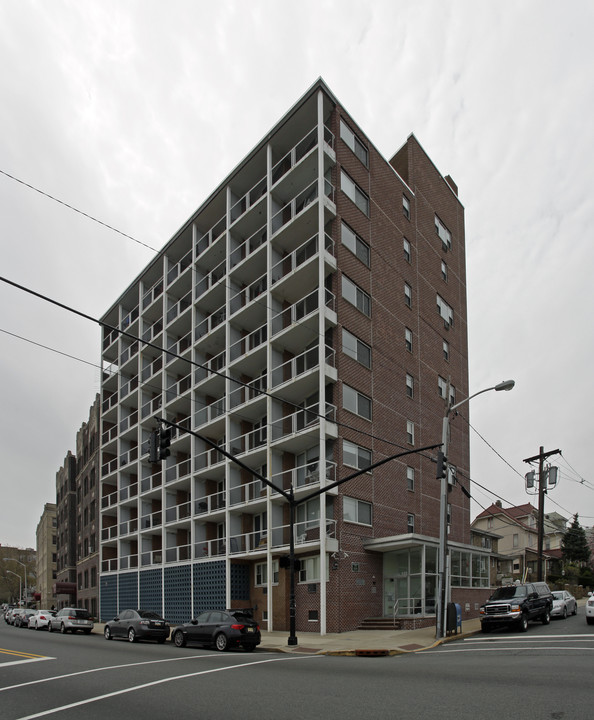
24, 573
20, 586
442, 578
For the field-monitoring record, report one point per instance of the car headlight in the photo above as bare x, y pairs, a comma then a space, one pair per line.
515, 608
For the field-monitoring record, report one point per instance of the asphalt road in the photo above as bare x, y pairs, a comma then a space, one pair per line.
544, 673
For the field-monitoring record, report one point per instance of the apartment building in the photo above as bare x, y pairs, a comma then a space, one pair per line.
310, 320
77, 515
46, 535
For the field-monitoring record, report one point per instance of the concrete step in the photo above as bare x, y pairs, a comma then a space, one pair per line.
380, 623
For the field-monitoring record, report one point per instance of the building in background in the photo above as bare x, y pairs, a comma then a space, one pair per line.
87, 511
310, 319
18, 579
77, 520
518, 544
46, 536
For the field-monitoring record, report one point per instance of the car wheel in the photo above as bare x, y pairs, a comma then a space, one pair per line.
574, 609
131, 635
49, 627
107, 633
249, 647
36, 626
546, 618
590, 621
485, 629
523, 624
178, 639
221, 642
63, 629
565, 613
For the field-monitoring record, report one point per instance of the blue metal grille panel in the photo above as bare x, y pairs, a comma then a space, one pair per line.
128, 592
151, 590
240, 582
178, 594
108, 597
209, 586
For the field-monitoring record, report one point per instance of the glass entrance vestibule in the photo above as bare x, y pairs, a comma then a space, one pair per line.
410, 581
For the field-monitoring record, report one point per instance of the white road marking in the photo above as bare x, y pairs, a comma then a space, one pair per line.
97, 698
542, 638
101, 669
21, 662
503, 649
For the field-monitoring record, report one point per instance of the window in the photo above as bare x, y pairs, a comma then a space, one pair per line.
354, 192
442, 387
406, 207
353, 142
444, 271
355, 244
356, 402
353, 347
357, 297
310, 569
406, 246
355, 456
444, 234
410, 478
516, 540
356, 511
445, 311
410, 385
312, 616
446, 350
408, 294
408, 339
410, 523
261, 570
410, 432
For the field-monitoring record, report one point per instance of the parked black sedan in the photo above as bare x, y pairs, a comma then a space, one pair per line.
137, 625
222, 628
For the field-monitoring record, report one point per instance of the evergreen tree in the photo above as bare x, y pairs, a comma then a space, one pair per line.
574, 544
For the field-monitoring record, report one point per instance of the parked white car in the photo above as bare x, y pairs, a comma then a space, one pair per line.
564, 604
40, 620
590, 609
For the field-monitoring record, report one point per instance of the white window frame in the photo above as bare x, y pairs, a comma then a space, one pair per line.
357, 195
407, 250
445, 311
353, 508
410, 478
408, 294
355, 244
352, 400
444, 234
444, 271
406, 207
261, 573
410, 523
356, 349
408, 339
446, 350
353, 294
355, 456
353, 142
410, 432
410, 385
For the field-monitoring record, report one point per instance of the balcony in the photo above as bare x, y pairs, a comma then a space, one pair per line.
178, 553
152, 294
179, 268
210, 322
178, 471
150, 407
151, 557
177, 308
211, 236
152, 368
151, 520
306, 533
128, 526
209, 548
210, 280
248, 200
178, 346
178, 388
130, 318
178, 512
247, 247
210, 503
129, 456
128, 561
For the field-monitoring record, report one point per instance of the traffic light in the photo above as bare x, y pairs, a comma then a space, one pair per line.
442, 466
153, 445
164, 442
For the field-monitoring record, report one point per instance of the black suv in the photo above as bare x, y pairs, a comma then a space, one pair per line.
515, 605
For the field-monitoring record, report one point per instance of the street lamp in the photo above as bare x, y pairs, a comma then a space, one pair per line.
20, 586
24, 573
443, 522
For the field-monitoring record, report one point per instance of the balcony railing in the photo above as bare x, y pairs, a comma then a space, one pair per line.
109, 402
177, 346
178, 512
306, 361
248, 392
210, 503
109, 435
151, 482
299, 151
109, 533
177, 308
248, 200
210, 412
128, 352
152, 294
178, 554
150, 407
151, 520
128, 421
299, 310
247, 247
128, 386
153, 367
209, 548
109, 500
178, 269
210, 322
110, 565
210, 279
151, 332
209, 237
128, 456
129, 491
109, 467
178, 471
130, 317
109, 338
128, 561
247, 492
178, 388
152, 557
299, 420
307, 532
129, 526
249, 342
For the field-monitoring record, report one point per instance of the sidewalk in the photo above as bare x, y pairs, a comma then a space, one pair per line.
364, 642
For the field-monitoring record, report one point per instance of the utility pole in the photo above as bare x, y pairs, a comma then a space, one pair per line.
542, 482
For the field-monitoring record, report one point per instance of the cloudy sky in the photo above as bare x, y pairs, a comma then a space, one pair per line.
133, 111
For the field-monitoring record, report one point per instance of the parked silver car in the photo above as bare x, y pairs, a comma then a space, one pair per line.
564, 604
71, 619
